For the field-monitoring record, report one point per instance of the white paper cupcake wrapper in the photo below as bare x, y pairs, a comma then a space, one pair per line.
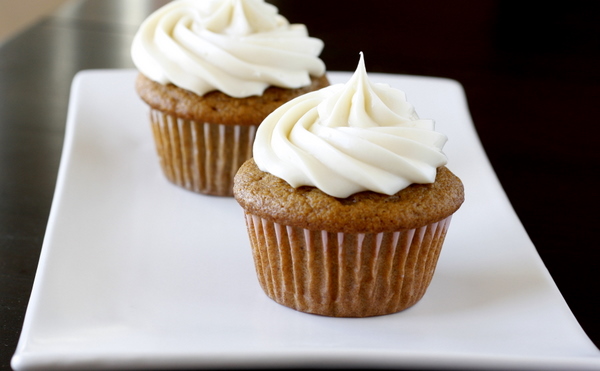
342, 274
201, 157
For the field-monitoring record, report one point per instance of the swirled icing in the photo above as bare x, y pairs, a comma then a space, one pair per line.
348, 138
239, 47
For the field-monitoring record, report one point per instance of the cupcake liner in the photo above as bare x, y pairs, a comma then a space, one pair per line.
199, 156
344, 274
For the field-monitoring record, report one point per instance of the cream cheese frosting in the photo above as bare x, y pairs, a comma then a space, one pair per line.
348, 138
239, 47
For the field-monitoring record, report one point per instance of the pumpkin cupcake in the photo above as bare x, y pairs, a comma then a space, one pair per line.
347, 201
211, 71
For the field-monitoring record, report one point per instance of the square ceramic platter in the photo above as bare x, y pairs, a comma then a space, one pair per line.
138, 273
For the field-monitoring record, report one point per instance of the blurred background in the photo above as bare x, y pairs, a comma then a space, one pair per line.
18, 15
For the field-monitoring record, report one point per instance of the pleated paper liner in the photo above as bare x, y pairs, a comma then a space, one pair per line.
198, 156
344, 274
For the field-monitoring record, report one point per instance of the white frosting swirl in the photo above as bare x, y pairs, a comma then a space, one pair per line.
348, 138
239, 47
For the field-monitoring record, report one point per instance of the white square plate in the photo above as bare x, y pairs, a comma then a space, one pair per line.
138, 273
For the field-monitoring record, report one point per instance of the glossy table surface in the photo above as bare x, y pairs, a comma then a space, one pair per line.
530, 77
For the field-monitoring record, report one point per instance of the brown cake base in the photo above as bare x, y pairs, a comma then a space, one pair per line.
201, 141
365, 255
201, 157
345, 274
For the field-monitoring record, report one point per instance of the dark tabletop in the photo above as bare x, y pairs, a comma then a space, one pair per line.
531, 75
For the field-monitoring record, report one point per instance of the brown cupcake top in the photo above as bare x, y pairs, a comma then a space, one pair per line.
272, 198
217, 107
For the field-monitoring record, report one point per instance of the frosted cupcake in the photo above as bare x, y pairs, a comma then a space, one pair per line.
347, 200
211, 71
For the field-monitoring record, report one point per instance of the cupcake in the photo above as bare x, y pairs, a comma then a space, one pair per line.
347, 200
210, 72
